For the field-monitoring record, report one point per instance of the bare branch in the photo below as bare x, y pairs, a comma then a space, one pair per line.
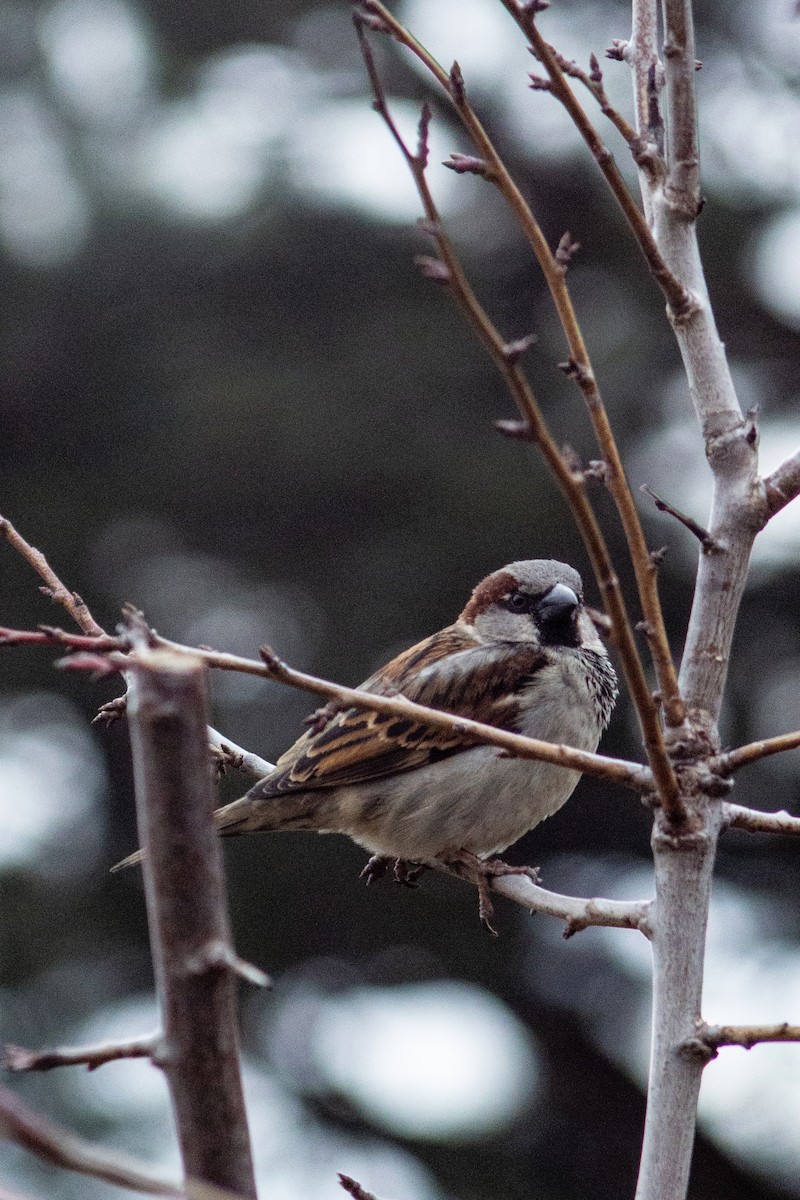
734, 816
16, 1058
703, 536
679, 300
726, 764
187, 914
683, 161
54, 588
783, 485
629, 774
580, 368
576, 913
714, 1036
56, 1145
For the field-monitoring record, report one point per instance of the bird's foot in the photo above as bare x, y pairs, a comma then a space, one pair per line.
480, 872
405, 872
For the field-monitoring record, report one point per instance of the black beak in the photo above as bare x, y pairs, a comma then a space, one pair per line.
558, 606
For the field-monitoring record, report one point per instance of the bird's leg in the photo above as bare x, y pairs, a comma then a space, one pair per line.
480, 872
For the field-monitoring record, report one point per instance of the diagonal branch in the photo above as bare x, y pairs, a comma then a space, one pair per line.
732, 760
58, 1146
783, 485
629, 774
448, 269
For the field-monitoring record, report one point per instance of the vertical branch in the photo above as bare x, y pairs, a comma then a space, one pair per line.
188, 918
641, 53
683, 868
683, 156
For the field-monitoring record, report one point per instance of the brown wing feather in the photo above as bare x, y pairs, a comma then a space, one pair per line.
357, 745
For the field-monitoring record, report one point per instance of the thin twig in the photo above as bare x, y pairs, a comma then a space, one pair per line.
747, 1036
678, 298
783, 485
708, 543
54, 589
58, 1146
571, 482
17, 1058
742, 756
735, 816
575, 912
629, 774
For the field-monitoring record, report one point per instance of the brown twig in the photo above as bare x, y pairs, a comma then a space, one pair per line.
709, 544
734, 816
783, 485
54, 589
187, 913
733, 760
18, 1059
580, 368
629, 774
679, 300
58, 1146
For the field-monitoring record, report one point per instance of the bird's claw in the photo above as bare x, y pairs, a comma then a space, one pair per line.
405, 872
480, 872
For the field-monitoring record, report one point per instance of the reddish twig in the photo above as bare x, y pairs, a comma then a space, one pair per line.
733, 760
54, 589
710, 545
734, 816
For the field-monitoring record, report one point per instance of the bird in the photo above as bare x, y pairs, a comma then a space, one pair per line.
524, 655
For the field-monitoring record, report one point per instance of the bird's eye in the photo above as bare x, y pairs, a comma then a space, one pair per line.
518, 602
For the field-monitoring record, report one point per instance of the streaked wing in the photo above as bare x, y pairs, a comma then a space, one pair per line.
357, 745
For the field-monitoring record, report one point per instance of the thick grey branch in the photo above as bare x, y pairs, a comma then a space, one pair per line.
187, 914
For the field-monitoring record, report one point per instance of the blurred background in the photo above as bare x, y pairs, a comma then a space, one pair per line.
229, 397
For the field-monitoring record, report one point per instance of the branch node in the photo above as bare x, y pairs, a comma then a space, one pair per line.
616, 51
657, 556
538, 83
519, 430
468, 164
513, 351
433, 268
457, 90
216, 956
566, 251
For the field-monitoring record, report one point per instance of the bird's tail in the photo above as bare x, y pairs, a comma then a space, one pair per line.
255, 812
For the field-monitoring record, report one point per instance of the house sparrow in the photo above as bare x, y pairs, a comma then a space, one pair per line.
525, 656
